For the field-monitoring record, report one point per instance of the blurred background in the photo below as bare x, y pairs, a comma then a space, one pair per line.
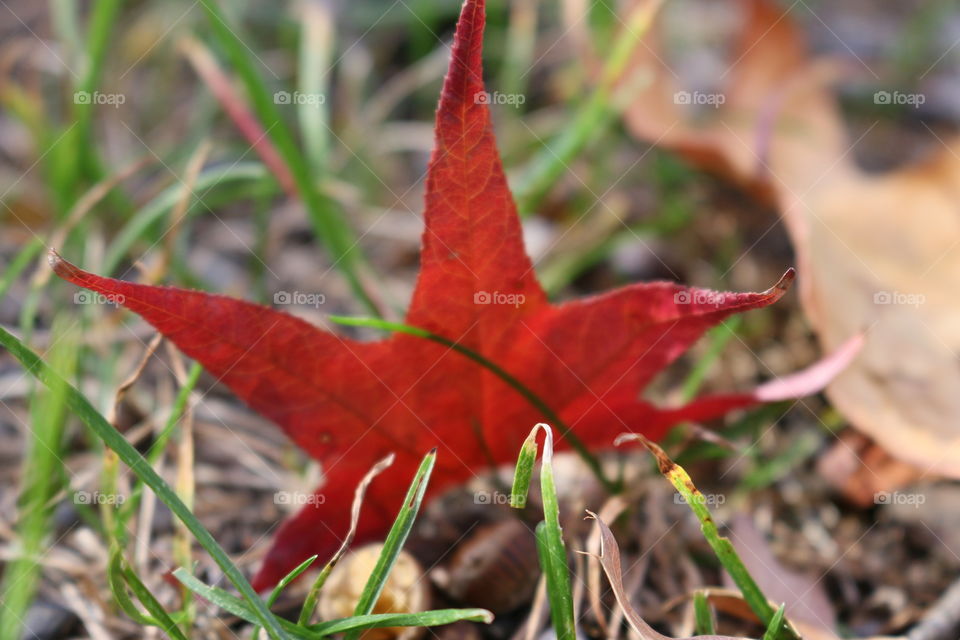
716, 146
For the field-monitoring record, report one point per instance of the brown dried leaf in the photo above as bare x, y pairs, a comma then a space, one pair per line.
610, 561
876, 253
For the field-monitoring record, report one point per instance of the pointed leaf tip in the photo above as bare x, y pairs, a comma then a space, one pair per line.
53, 259
784, 283
473, 253
61, 267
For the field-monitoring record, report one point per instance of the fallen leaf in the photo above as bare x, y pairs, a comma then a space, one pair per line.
610, 561
879, 253
729, 130
349, 403
862, 471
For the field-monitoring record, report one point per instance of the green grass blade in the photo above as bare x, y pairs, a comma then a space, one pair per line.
164, 621
767, 471
425, 619
232, 604
139, 225
557, 155
102, 20
283, 584
396, 538
20, 262
310, 602
229, 602
494, 368
594, 116
557, 574
119, 577
327, 220
718, 337
523, 472
776, 623
287, 579
42, 478
142, 469
721, 546
703, 615
550, 546
118, 585
315, 73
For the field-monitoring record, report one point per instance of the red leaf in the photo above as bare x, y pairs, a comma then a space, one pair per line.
349, 403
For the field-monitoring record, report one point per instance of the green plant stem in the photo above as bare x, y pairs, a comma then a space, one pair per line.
565, 431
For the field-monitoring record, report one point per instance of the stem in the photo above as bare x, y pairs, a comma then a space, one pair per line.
519, 387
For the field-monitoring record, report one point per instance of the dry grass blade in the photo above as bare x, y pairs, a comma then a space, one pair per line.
185, 481
537, 615
179, 211
310, 604
611, 510
219, 84
133, 377
610, 561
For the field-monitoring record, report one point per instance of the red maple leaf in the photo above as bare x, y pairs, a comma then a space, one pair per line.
349, 403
